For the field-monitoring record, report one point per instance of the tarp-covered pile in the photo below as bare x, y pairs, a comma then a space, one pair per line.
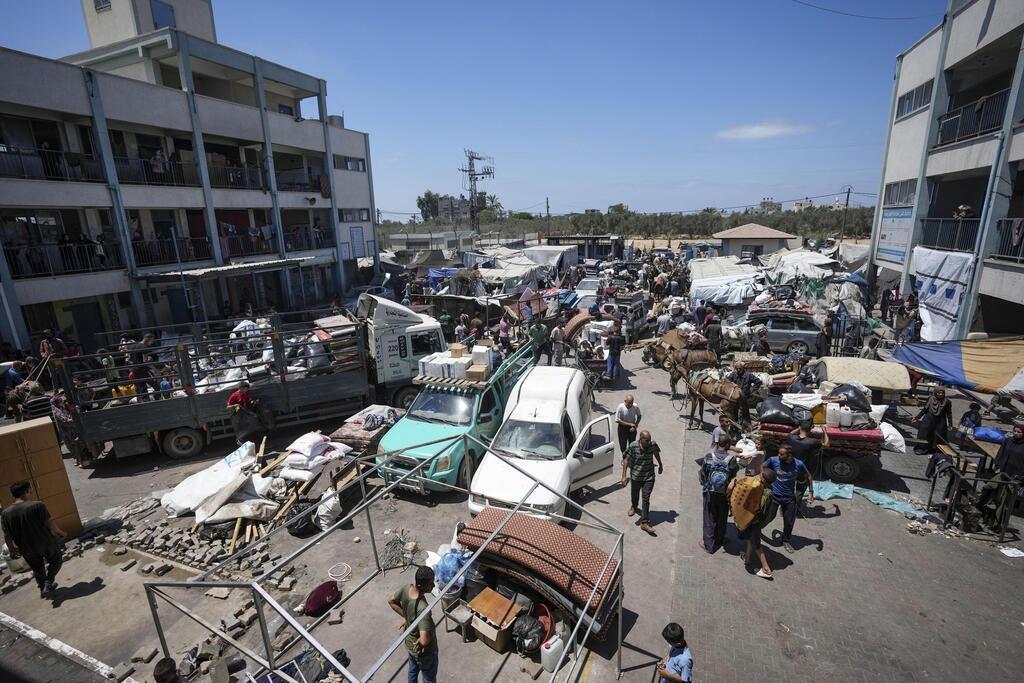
723, 281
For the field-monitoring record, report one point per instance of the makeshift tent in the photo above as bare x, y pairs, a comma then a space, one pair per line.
557, 257
722, 280
435, 275
786, 266
988, 365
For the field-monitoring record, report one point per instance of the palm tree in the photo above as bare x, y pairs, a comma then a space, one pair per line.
494, 203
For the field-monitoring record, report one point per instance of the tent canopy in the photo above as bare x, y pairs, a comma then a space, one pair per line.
988, 365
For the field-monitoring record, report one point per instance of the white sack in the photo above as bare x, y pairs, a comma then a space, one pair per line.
805, 401
329, 510
892, 439
293, 474
310, 444
190, 493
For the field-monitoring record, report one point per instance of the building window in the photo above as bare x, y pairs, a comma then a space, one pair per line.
101, 5
285, 109
910, 102
354, 215
343, 163
163, 14
900, 193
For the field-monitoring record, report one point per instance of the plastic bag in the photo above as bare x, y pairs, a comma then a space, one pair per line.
451, 562
989, 434
892, 439
527, 633
774, 411
852, 397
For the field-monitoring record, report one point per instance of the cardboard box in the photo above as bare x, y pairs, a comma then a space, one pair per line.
424, 363
477, 373
495, 638
459, 367
485, 342
457, 350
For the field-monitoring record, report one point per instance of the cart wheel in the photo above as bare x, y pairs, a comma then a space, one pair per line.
183, 443
842, 469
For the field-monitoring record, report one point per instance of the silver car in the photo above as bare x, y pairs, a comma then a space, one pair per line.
790, 334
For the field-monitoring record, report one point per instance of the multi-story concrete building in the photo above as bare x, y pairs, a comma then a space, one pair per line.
452, 209
161, 176
952, 167
768, 205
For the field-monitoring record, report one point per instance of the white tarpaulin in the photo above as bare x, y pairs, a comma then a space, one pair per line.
942, 280
196, 489
786, 266
726, 290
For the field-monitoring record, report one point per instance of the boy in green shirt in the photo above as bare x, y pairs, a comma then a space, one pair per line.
409, 602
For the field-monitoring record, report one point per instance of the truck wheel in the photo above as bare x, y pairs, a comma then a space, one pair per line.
183, 443
404, 397
464, 480
842, 469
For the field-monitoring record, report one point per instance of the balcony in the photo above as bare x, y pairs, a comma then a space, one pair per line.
1011, 241
246, 245
305, 238
984, 115
236, 177
150, 172
48, 164
54, 258
163, 252
297, 180
951, 234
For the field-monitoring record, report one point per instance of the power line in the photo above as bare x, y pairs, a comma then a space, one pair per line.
861, 16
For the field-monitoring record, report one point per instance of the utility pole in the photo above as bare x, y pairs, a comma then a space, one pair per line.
846, 209
472, 175
547, 223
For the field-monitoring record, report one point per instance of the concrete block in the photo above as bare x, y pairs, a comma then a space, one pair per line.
144, 655
148, 569
123, 671
21, 581
127, 565
120, 551
163, 569
219, 593
248, 617
287, 583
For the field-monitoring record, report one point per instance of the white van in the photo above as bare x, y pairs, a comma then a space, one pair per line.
548, 431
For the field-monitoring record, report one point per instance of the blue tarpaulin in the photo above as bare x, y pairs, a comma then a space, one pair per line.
989, 365
435, 275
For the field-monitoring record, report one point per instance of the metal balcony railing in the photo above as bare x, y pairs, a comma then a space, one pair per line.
156, 172
1011, 240
952, 234
971, 120
161, 252
245, 245
48, 164
55, 258
297, 180
246, 177
306, 237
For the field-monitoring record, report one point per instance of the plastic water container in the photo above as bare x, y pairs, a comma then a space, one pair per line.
845, 416
15, 565
832, 418
550, 653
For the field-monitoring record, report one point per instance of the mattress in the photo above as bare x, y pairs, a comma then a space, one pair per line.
558, 556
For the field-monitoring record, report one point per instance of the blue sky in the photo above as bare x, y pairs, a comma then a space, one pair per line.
662, 105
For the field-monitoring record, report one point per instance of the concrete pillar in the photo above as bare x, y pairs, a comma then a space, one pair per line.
117, 209
335, 226
373, 208
198, 146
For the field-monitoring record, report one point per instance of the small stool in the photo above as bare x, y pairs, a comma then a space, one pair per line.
462, 616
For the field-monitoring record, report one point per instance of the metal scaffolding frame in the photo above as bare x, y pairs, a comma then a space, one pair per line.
263, 600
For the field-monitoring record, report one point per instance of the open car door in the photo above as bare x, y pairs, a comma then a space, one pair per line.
591, 456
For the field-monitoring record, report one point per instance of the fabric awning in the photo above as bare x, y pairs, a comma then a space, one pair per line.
199, 274
987, 365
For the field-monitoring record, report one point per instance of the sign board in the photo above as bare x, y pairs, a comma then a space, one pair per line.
894, 232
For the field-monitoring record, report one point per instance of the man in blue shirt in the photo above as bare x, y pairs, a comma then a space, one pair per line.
787, 471
12, 375
678, 666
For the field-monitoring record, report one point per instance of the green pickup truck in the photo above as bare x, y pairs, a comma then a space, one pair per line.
445, 409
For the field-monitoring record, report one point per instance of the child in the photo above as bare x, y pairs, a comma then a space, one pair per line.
970, 421
766, 511
678, 666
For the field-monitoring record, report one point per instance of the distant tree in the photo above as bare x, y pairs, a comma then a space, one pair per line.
522, 216
488, 216
427, 204
494, 203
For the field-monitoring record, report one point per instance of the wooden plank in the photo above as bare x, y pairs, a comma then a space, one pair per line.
274, 463
234, 536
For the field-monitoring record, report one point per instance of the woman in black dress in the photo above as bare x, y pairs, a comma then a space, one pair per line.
934, 421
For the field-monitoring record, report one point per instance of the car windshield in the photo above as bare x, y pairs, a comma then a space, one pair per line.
441, 406
588, 285
536, 440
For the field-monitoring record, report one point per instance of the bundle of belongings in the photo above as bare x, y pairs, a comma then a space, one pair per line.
459, 362
363, 431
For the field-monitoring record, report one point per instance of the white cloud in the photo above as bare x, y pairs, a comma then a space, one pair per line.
762, 131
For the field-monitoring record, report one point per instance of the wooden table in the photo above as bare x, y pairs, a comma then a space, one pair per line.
494, 607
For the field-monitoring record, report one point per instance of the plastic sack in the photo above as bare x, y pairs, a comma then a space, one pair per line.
309, 444
451, 562
527, 633
852, 397
192, 491
773, 410
329, 510
892, 439
989, 434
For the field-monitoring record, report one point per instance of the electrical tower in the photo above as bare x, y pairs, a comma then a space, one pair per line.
477, 200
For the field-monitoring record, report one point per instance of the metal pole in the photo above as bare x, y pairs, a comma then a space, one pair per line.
154, 609
369, 524
622, 590
267, 643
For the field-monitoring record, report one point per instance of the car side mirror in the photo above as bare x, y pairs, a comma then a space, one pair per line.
584, 454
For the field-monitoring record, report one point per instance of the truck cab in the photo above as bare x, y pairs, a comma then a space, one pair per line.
442, 411
398, 338
551, 433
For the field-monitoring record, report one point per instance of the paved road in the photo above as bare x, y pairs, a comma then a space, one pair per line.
23, 659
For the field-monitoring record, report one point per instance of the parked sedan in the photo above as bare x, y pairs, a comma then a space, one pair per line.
789, 334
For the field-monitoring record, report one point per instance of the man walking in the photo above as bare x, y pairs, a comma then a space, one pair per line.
409, 603
713, 332
759, 490
718, 467
558, 342
539, 336
32, 533
664, 323
787, 470
638, 460
627, 417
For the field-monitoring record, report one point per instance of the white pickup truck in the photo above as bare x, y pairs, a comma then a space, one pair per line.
548, 431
